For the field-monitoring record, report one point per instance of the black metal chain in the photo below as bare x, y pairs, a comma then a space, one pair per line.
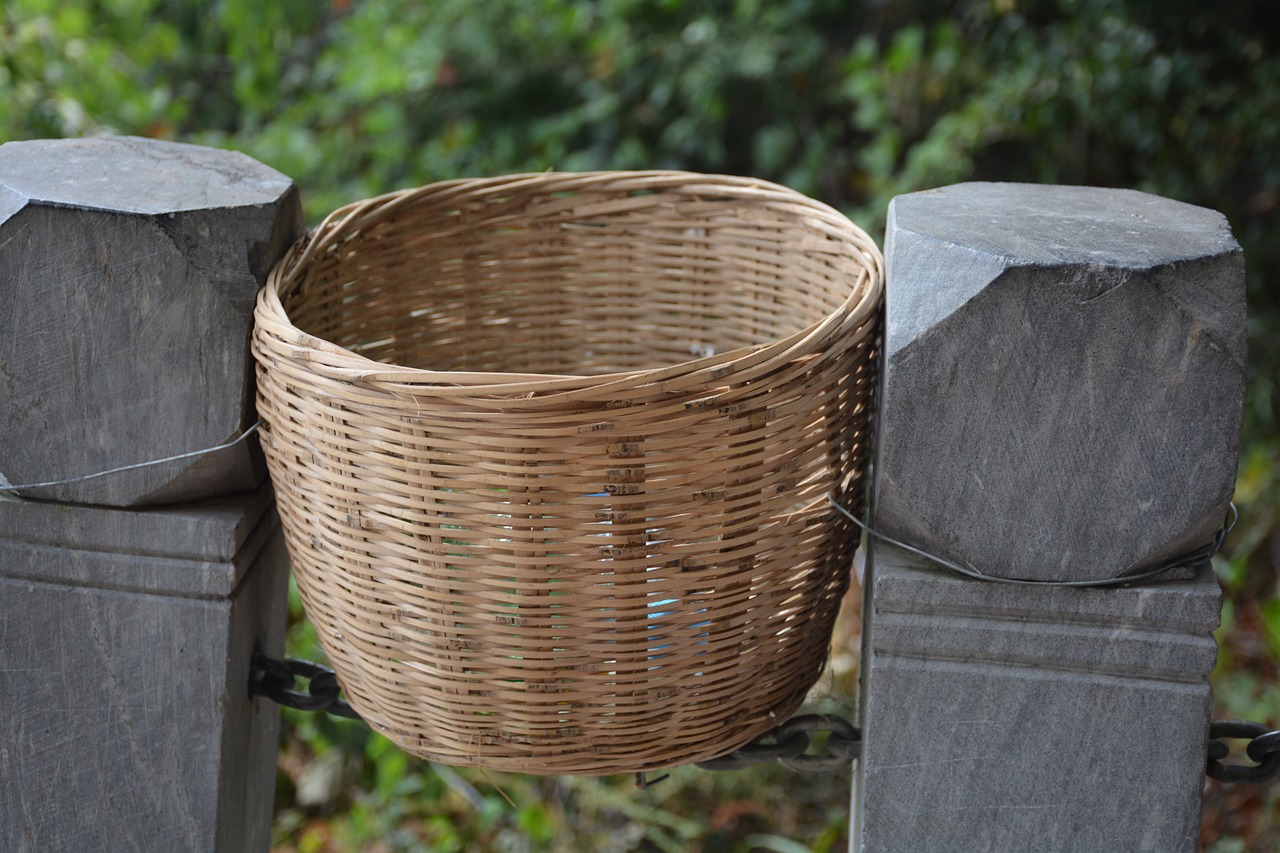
789, 743
275, 679
1263, 748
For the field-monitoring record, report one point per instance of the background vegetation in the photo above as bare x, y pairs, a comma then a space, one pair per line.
850, 101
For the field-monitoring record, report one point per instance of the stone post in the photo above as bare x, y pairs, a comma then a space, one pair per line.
128, 271
130, 604
1063, 380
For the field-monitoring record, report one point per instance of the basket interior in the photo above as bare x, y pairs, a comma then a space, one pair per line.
580, 283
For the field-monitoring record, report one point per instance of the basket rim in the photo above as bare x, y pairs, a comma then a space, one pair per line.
337, 362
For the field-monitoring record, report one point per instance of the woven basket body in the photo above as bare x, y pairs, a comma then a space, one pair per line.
553, 455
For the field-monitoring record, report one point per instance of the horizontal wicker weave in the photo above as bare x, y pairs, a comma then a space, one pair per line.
552, 454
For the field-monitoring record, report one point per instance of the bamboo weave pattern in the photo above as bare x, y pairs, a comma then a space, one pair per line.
552, 455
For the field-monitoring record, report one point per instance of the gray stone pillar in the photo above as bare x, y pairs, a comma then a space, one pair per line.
128, 271
125, 641
130, 604
1063, 381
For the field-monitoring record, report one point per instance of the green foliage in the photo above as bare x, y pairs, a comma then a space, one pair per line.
851, 102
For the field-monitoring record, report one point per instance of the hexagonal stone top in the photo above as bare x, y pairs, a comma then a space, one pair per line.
128, 268
160, 176
1063, 379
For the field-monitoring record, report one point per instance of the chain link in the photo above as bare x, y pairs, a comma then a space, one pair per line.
276, 679
789, 744
1263, 748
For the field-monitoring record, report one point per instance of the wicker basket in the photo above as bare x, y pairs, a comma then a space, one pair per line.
552, 454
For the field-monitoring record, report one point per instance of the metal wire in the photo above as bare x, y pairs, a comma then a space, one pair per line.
9, 487
1194, 558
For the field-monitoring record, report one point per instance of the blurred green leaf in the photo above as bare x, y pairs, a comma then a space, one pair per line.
774, 843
